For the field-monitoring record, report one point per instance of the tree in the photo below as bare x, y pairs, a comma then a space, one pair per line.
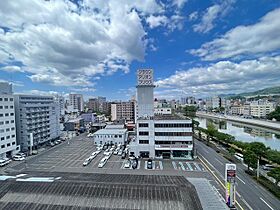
251, 159
231, 151
190, 111
275, 173
275, 114
211, 131
258, 148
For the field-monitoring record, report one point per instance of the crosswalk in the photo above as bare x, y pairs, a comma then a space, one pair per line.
172, 165
188, 166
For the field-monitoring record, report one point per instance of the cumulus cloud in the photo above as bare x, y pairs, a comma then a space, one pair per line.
62, 43
11, 69
258, 38
193, 16
179, 3
155, 21
212, 13
224, 77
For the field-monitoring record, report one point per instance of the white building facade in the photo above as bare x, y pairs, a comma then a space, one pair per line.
76, 101
110, 136
159, 136
8, 144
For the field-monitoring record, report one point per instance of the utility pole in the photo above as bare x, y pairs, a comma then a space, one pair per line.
31, 142
258, 169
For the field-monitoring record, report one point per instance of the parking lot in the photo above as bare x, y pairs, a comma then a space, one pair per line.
69, 157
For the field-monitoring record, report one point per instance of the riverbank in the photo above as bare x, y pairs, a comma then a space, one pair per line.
260, 123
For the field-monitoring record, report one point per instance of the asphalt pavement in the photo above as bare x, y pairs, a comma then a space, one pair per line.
250, 194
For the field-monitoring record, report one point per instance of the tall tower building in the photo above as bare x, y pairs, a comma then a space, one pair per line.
145, 93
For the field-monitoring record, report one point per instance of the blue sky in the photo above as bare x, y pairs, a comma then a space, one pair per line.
195, 47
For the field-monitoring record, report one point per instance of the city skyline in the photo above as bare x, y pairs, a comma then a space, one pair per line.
194, 47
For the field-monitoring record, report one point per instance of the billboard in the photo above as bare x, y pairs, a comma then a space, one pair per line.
230, 175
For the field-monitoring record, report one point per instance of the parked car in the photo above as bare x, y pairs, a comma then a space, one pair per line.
268, 167
34, 152
127, 164
123, 155
86, 162
18, 158
120, 152
116, 152
102, 162
4, 162
21, 154
149, 164
134, 163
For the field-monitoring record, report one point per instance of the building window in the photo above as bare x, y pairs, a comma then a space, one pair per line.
6, 122
143, 125
6, 107
11, 99
13, 143
6, 114
12, 114
2, 138
143, 133
6, 99
11, 107
173, 133
7, 137
143, 141
1, 123
9, 144
1, 107
3, 146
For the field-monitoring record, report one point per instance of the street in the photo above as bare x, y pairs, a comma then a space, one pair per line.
249, 193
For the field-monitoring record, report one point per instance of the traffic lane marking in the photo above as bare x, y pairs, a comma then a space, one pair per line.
266, 203
240, 179
219, 161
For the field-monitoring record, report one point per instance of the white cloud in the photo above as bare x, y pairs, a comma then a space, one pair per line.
85, 89
224, 77
211, 14
258, 38
193, 16
11, 69
179, 3
155, 21
38, 92
62, 43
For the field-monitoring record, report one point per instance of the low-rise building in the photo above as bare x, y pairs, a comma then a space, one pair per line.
74, 124
110, 136
163, 111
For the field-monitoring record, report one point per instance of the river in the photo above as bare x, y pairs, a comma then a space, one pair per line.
244, 132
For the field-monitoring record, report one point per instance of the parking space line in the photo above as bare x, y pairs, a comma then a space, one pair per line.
197, 166
189, 166
174, 165
182, 166
160, 165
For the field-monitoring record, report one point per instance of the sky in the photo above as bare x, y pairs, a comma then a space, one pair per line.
94, 47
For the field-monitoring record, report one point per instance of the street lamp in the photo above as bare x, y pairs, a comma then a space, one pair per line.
31, 142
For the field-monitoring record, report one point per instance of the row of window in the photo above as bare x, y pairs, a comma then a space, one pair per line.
173, 125
173, 142
8, 137
7, 130
143, 141
6, 99
8, 145
6, 122
6, 107
173, 133
143, 125
6, 114
108, 136
146, 133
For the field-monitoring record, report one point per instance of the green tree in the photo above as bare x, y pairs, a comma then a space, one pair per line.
210, 132
275, 173
231, 151
258, 148
275, 114
251, 159
190, 111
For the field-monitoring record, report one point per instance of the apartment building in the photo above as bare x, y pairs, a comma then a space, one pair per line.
124, 110
162, 136
61, 104
261, 109
8, 144
37, 120
77, 101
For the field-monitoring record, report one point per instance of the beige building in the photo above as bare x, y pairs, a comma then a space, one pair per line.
261, 109
123, 111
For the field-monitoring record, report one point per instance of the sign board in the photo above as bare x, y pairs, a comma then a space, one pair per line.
230, 175
145, 77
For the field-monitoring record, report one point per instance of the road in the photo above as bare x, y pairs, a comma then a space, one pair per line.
249, 193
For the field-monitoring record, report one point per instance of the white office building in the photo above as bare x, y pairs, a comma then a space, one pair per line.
76, 102
110, 136
8, 144
161, 136
37, 120
261, 109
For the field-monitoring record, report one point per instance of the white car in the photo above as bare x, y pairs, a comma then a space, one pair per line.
127, 164
18, 158
116, 152
102, 162
120, 152
3, 162
86, 162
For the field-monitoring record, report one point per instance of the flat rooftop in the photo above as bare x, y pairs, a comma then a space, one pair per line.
101, 191
165, 117
110, 131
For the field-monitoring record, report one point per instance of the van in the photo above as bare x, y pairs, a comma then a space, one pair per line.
268, 167
238, 156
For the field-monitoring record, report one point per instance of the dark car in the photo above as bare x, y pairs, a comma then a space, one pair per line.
149, 164
134, 163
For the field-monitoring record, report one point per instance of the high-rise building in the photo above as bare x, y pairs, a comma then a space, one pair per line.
161, 136
8, 145
61, 104
123, 111
37, 120
77, 101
